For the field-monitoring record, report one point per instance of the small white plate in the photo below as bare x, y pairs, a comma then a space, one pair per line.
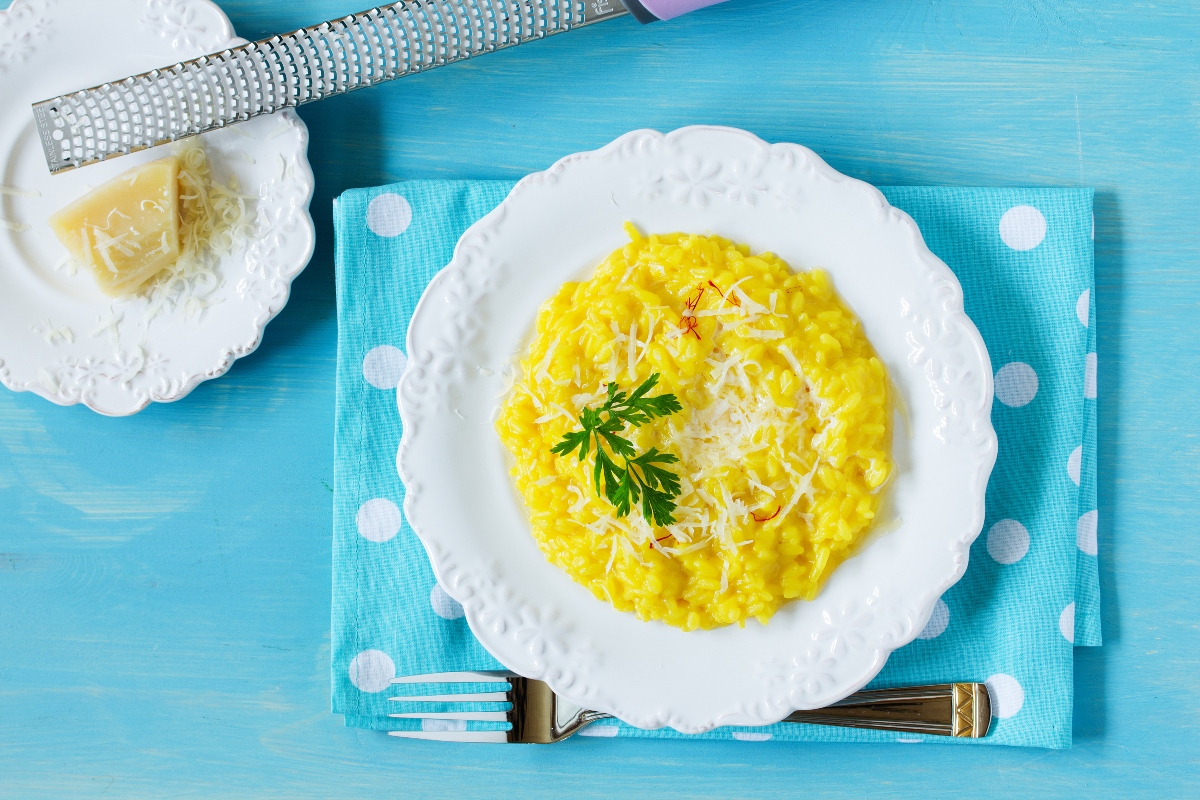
473, 318
60, 337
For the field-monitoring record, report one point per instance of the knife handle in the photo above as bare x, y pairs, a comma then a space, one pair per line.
951, 709
653, 10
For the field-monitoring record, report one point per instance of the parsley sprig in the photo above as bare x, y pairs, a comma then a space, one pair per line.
641, 477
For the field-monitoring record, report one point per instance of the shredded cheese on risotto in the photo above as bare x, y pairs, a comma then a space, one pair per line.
783, 439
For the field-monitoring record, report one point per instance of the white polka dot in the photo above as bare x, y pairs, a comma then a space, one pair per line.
378, 520
1016, 384
440, 725
389, 214
372, 671
938, 621
1066, 623
1081, 306
600, 731
1006, 695
383, 366
443, 604
1085, 532
1022, 227
1074, 464
1089, 376
1008, 541
749, 736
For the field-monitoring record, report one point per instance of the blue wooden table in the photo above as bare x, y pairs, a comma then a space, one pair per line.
165, 578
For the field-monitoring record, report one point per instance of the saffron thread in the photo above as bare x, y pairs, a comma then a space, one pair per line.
757, 518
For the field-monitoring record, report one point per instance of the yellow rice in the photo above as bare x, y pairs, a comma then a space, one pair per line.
783, 438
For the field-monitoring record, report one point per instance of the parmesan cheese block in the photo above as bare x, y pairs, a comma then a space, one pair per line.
126, 230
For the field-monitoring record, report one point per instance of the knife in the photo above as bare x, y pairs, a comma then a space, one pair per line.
335, 57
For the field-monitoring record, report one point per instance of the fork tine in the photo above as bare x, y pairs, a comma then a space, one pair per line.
473, 716
494, 737
481, 676
482, 697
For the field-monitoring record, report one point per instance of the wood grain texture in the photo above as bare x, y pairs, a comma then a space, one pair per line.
164, 579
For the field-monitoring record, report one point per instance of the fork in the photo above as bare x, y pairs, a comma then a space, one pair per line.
536, 715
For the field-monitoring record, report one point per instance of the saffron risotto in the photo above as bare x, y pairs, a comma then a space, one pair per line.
783, 440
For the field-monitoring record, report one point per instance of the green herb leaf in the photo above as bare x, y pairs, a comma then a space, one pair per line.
622, 494
581, 439
607, 474
619, 445
640, 478
658, 507
657, 477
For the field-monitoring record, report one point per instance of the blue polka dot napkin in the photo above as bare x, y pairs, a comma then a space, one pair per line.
1024, 257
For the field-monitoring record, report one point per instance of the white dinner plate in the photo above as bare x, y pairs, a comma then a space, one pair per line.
60, 337
474, 318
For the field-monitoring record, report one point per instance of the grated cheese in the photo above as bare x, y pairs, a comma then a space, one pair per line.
109, 324
733, 425
758, 333
632, 350
66, 264
215, 220
53, 334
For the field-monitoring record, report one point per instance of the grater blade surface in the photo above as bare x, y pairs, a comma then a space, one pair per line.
291, 69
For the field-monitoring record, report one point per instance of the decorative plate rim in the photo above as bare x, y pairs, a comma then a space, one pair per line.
534, 636
291, 232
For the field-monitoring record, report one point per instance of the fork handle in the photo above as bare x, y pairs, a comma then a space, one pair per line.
948, 709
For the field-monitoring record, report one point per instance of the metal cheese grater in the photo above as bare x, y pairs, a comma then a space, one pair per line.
387, 42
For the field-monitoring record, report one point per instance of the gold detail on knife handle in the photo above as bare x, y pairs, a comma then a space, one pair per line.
949, 709
972, 710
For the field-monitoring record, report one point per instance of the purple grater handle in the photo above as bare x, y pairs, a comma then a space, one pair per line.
666, 9
648, 11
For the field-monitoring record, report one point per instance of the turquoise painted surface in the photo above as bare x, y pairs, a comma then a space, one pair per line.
164, 579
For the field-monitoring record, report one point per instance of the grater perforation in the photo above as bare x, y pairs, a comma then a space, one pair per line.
288, 70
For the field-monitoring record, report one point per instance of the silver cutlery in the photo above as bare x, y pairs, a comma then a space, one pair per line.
536, 715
